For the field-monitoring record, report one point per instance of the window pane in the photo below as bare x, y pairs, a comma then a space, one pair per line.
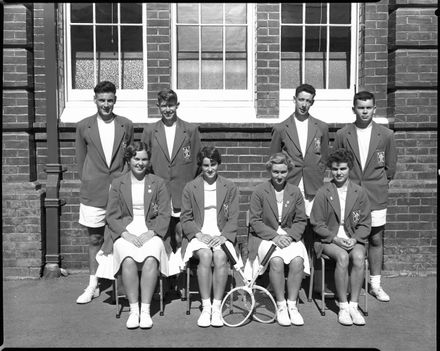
81, 13
106, 13
212, 13
235, 13
291, 39
131, 13
187, 39
212, 74
82, 57
315, 56
316, 13
291, 65
339, 65
187, 74
212, 39
236, 74
132, 63
188, 13
340, 13
107, 53
291, 13
236, 39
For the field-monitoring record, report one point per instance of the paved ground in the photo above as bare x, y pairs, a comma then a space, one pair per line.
43, 313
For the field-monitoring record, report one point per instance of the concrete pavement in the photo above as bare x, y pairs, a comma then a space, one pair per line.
43, 313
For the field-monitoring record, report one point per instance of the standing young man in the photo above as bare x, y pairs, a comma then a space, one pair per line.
305, 139
374, 167
174, 146
100, 143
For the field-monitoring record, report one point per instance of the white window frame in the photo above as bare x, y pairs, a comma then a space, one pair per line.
131, 103
331, 105
217, 105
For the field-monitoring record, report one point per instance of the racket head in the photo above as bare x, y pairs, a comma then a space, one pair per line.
237, 306
265, 308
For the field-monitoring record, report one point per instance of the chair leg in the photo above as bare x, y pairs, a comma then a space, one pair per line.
366, 288
312, 276
188, 294
322, 287
116, 295
161, 294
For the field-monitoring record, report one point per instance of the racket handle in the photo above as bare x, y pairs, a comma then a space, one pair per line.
268, 254
228, 253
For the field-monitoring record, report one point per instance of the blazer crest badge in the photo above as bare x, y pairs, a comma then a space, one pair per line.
356, 215
317, 145
380, 157
186, 152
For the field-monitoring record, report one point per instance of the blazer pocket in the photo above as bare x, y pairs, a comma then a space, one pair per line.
380, 158
187, 155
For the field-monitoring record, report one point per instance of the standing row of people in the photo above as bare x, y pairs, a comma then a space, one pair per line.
183, 217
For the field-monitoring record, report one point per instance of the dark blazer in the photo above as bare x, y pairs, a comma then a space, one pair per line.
325, 216
157, 209
310, 166
263, 216
93, 171
380, 166
182, 166
192, 215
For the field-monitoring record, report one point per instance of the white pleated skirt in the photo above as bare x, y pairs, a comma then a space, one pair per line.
295, 249
195, 245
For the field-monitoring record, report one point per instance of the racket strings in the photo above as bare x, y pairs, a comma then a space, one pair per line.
265, 306
236, 307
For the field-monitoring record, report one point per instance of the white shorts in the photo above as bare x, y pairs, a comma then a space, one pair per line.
93, 217
378, 217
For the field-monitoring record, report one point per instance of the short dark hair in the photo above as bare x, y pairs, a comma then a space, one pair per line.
364, 96
105, 87
210, 152
305, 87
133, 148
279, 158
167, 95
340, 155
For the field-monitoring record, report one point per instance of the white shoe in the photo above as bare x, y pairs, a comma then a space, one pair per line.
133, 320
295, 316
146, 322
283, 316
89, 293
205, 318
344, 316
216, 318
356, 316
380, 294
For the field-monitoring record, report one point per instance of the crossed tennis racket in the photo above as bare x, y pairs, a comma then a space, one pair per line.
250, 299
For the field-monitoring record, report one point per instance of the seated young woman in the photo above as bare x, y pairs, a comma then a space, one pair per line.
341, 219
209, 218
277, 215
138, 215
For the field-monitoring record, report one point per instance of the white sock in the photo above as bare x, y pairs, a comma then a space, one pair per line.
134, 307
282, 303
145, 307
343, 305
354, 305
206, 303
93, 280
216, 304
375, 281
291, 304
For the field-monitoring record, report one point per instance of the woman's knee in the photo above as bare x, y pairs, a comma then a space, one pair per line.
277, 265
205, 257
296, 265
150, 263
220, 259
342, 259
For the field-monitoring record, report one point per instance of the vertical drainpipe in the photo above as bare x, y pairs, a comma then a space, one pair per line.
53, 168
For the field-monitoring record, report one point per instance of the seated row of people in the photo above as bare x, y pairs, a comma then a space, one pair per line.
138, 215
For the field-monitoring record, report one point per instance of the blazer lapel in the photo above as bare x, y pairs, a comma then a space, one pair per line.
292, 132
271, 199
179, 138
199, 197
94, 137
159, 134
126, 192
374, 141
287, 201
352, 140
349, 203
119, 134
148, 193
311, 131
221, 195
333, 199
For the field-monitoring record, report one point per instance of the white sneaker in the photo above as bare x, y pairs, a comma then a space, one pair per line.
380, 294
89, 293
216, 318
295, 316
344, 316
356, 316
205, 318
146, 322
283, 316
133, 320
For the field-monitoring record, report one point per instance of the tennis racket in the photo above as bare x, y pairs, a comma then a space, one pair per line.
250, 299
